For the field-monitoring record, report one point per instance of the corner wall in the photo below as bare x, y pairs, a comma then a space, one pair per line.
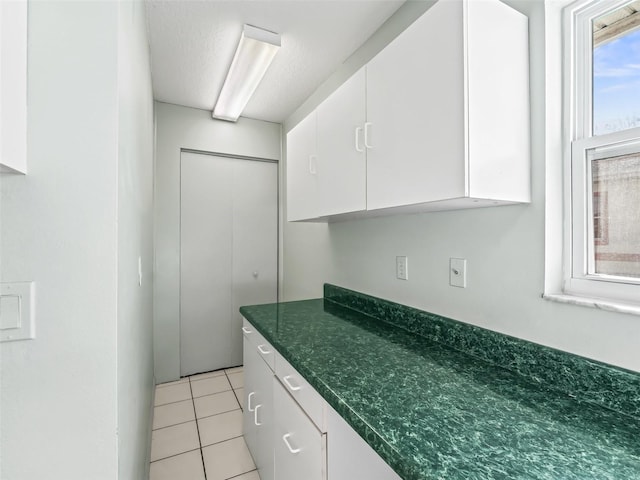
59, 229
504, 246
75, 402
135, 241
188, 128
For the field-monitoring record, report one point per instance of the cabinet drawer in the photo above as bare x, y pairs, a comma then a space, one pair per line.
299, 447
303, 393
264, 348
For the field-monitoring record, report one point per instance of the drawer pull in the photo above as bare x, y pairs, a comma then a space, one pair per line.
263, 351
366, 135
249, 401
313, 161
246, 330
255, 416
294, 388
285, 439
358, 149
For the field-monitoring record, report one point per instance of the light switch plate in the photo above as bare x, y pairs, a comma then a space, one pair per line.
402, 268
16, 311
458, 272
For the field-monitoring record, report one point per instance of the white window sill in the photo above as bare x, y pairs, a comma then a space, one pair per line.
593, 302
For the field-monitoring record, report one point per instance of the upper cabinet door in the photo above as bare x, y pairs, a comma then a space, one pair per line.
498, 93
416, 107
13, 87
302, 164
341, 149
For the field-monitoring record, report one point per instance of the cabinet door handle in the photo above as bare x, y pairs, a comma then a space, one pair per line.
294, 388
246, 330
262, 350
285, 439
366, 135
313, 160
255, 416
249, 401
358, 148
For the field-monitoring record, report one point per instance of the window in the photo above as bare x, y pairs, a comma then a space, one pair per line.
602, 120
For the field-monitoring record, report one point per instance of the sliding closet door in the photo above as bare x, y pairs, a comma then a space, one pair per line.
228, 254
255, 242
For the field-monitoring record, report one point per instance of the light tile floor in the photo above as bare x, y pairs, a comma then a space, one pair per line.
197, 429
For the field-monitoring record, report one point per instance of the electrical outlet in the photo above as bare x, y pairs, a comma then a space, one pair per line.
402, 269
458, 272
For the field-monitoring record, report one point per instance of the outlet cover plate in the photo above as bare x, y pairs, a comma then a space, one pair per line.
458, 272
402, 268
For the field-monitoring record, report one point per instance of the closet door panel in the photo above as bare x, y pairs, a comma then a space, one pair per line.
206, 250
228, 254
255, 241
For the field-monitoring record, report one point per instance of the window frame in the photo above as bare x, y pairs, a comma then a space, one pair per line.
578, 253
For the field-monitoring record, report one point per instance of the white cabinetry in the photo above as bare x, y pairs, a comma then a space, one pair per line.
326, 156
299, 447
302, 165
447, 118
342, 166
291, 431
13, 86
302, 392
258, 416
456, 127
350, 457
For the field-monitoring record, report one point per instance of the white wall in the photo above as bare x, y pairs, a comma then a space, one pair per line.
504, 247
59, 229
187, 128
135, 240
75, 401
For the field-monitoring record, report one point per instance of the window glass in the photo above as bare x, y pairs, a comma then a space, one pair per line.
616, 70
616, 215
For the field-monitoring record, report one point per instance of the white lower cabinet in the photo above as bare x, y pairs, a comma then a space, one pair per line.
291, 431
350, 457
299, 447
258, 419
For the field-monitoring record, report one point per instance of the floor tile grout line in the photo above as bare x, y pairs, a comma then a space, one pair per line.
238, 400
177, 401
209, 394
223, 371
204, 469
226, 411
240, 474
175, 455
222, 441
173, 425
171, 384
220, 413
234, 390
192, 397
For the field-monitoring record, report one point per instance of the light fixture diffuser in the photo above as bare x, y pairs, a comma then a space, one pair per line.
253, 56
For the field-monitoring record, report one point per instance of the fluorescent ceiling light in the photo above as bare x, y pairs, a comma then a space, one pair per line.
255, 52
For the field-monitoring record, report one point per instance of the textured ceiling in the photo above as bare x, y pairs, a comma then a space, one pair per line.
193, 42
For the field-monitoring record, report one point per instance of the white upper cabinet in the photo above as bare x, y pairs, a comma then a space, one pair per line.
342, 165
415, 104
445, 123
13, 86
302, 166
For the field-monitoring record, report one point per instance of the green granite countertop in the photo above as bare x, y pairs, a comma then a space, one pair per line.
434, 412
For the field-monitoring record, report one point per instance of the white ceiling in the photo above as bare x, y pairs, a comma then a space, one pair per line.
193, 42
